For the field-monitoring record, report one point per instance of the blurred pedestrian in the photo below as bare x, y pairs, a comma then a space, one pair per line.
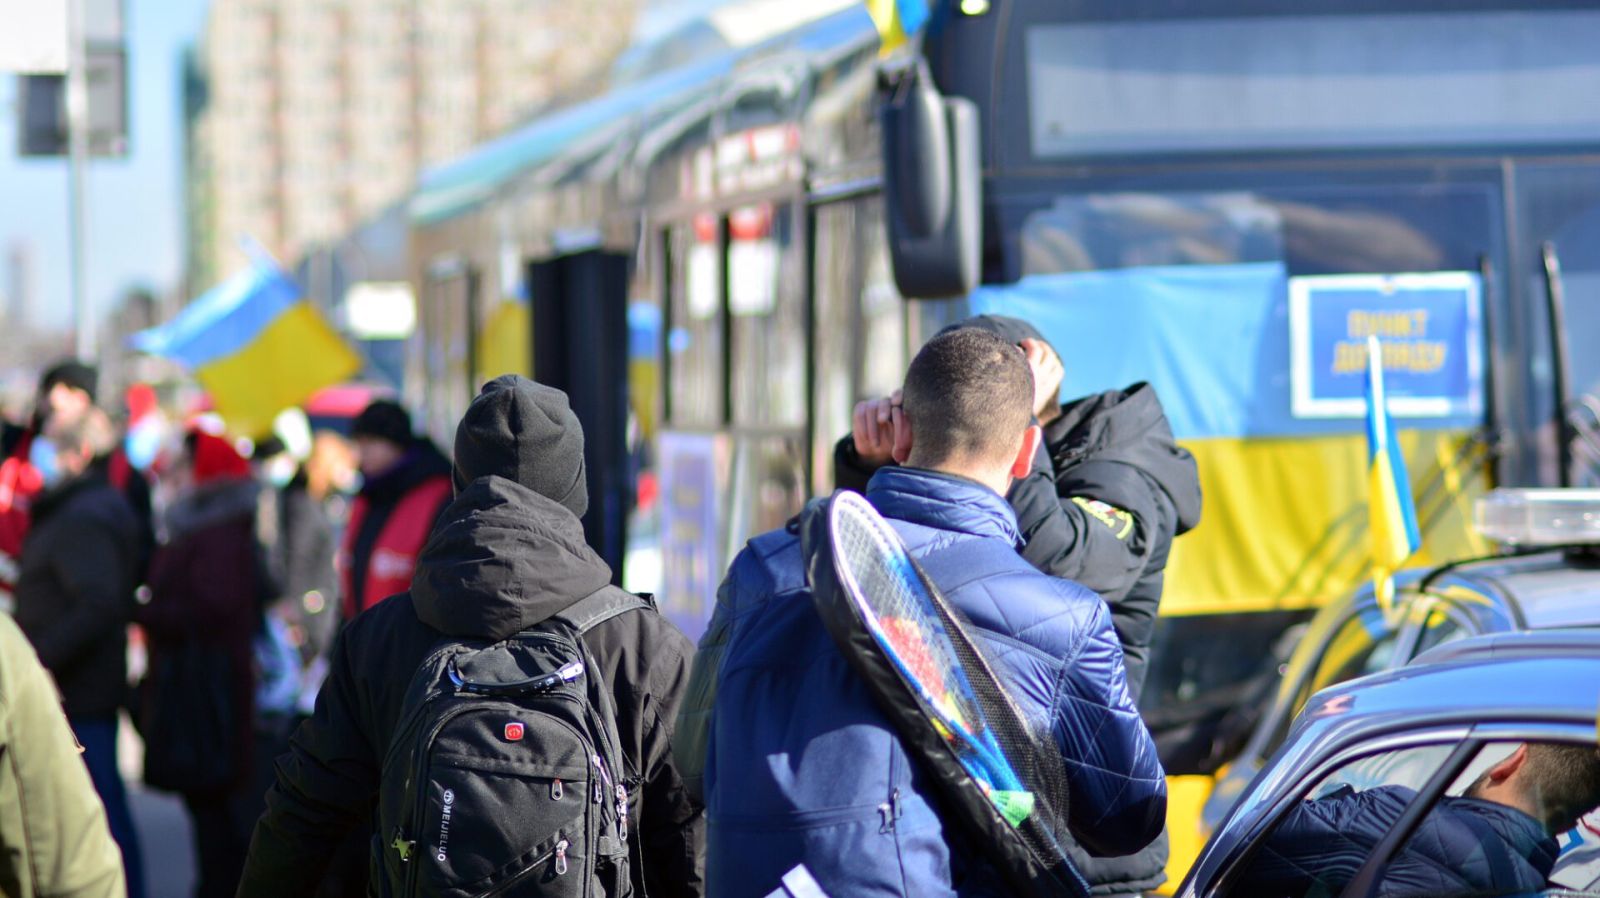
405, 485
208, 584
299, 535
54, 841
74, 597
66, 393
508, 556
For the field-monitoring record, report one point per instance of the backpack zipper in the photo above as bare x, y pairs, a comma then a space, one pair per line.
557, 854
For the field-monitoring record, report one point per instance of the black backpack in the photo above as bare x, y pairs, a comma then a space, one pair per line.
504, 776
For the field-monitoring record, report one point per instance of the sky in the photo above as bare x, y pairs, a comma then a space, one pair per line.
135, 205
135, 212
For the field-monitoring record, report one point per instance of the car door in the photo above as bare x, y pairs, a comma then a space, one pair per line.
1383, 817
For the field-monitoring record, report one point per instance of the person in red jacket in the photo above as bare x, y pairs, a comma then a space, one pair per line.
405, 484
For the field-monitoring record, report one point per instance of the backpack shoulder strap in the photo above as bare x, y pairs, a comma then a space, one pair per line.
595, 609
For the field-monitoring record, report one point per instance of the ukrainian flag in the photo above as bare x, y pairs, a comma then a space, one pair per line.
1392, 510
256, 345
897, 21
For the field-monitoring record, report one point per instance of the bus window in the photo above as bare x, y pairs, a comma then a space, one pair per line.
860, 340
444, 349
1279, 83
694, 336
767, 317
1560, 204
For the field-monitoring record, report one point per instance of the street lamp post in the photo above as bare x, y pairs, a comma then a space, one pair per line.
78, 153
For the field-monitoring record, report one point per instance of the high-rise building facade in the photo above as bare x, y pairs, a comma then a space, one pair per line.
319, 113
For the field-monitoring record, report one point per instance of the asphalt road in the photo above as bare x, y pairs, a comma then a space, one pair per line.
165, 841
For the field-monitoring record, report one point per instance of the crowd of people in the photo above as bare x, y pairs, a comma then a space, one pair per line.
444, 693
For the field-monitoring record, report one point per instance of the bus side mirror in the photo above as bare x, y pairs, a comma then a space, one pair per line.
932, 185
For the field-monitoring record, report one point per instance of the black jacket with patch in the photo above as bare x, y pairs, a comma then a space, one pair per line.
501, 559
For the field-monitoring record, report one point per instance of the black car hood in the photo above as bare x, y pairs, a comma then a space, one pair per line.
502, 558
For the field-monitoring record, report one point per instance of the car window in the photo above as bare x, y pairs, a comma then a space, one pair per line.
1444, 624
1363, 644
1578, 867
1505, 825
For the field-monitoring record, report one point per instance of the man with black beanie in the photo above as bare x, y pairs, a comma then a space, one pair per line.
507, 554
405, 484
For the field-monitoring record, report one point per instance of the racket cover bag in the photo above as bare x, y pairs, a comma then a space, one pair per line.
1027, 856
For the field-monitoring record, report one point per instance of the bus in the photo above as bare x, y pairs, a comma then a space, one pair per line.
713, 258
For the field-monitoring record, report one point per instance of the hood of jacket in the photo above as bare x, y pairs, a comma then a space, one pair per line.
1130, 427
503, 558
211, 503
420, 462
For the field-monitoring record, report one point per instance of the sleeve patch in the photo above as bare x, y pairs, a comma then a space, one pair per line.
1120, 522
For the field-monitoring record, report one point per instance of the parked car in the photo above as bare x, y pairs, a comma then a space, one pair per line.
1384, 765
1550, 579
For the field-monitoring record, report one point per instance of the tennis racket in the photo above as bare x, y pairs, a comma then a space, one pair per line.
897, 607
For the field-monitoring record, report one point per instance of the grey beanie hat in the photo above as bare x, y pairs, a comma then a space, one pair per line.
526, 432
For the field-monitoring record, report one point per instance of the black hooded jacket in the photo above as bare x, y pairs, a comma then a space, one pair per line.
502, 558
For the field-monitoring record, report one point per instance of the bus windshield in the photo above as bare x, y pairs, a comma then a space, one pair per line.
1363, 81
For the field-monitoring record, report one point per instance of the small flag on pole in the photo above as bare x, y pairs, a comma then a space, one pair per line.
256, 345
1392, 510
897, 21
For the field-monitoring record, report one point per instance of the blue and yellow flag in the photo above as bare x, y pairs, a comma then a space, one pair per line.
897, 21
256, 345
1393, 511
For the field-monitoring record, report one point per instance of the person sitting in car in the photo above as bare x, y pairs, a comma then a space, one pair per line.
1497, 838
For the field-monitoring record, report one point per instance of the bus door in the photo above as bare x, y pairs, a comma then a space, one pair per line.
580, 346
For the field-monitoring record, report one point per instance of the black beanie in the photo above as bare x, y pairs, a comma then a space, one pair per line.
74, 374
384, 420
1011, 330
524, 431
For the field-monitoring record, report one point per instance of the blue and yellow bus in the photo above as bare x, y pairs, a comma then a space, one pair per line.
1221, 200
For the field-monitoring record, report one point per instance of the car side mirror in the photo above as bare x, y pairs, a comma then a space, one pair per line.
932, 185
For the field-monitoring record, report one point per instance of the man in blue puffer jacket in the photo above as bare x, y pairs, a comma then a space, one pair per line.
800, 766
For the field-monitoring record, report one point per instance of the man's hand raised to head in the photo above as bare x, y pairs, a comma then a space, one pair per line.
879, 430
1047, 374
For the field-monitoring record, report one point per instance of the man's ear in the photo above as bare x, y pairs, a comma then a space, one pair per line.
1504, 770
1022, 465
901, 428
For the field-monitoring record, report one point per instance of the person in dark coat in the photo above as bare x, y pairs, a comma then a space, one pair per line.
1498, 838
66, 394
207, 585
405, 485
800, 766
508, 553
74, 597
